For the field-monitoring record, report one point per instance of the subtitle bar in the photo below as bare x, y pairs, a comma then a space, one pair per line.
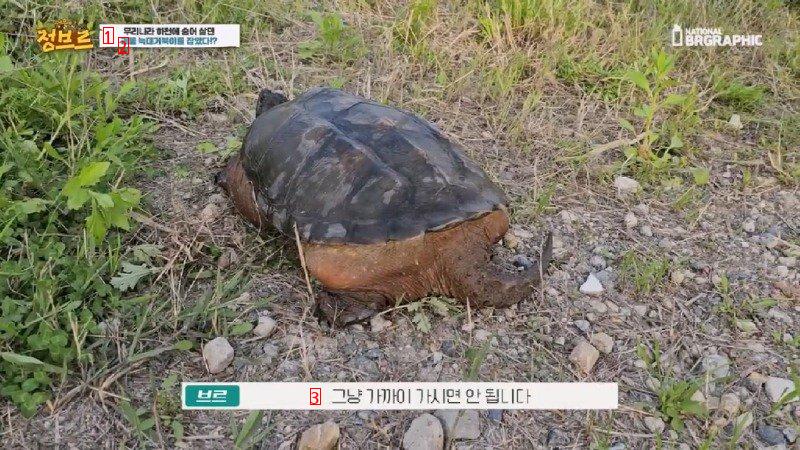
399, 396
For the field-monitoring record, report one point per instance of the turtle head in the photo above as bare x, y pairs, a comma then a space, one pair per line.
224, 177
267, 99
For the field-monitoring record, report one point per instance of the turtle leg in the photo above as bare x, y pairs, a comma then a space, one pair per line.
345, 308
484, 283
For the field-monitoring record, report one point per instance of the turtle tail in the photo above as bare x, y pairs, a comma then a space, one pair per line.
267, 99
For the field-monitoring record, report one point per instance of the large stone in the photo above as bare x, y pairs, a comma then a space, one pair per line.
460, 424
584, 355
425, 433
218, 354
778, 387
320, 437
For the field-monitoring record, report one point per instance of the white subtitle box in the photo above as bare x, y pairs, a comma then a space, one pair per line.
399, 396
195, 35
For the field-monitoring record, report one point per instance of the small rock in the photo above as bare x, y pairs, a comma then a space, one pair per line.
654, 424
379, 323
778, 387
729, 403
557, 438
425, 433
591, 286
654, 384
749, 226
640, 310
266, 326
788, 261
717, 365
495, 415
460, 424
770, 435
320, 437
511, 241
522, 262
584, 355
597, 261
790, 434
603, 342
217, 354
677, 277
646, 231
582, 325
777, 314
698, 397
755, 380
630, 220
209, 213
598, 306
618, 446
746, 326
626, 186
735, 122
482, 335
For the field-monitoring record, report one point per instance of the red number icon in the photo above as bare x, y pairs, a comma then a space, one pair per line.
315, 396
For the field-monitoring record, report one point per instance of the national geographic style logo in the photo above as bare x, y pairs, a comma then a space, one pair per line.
711, 37
211, 396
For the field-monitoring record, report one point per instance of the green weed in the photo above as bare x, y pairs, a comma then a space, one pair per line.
644, 273
65, 155
335, 40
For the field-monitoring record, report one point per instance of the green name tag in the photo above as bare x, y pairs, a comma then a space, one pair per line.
211, 396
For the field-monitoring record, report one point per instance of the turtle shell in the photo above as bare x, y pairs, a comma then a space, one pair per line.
349, 170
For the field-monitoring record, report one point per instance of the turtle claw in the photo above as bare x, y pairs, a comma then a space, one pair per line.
341, 310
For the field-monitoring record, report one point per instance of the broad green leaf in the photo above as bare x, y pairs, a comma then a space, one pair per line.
129, 276
206, 147
104, 200
96, 225
701, 176
91, 174
674, 100
183, 345
638, 79
627, 125
240, 328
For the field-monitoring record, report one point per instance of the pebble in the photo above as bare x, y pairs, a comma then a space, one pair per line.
729, 403
630, 220
460, 424
591, 286
218, 354
755, 380
677, 277
603, 342
598, 306
511, 241
777, 314
770, 435
323, 436
557, 438
522, 262
646, 231
735, 122
583, 325
597, 261
266, 326
654, 424
749, 226
777, 387
482, 335
790, 434
717, 365
379, 323
640, 310
495, 415
788, 261
626, 186
584, 355
425, 433
209, 213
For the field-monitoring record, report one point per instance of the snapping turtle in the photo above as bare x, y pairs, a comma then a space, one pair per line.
386, 206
